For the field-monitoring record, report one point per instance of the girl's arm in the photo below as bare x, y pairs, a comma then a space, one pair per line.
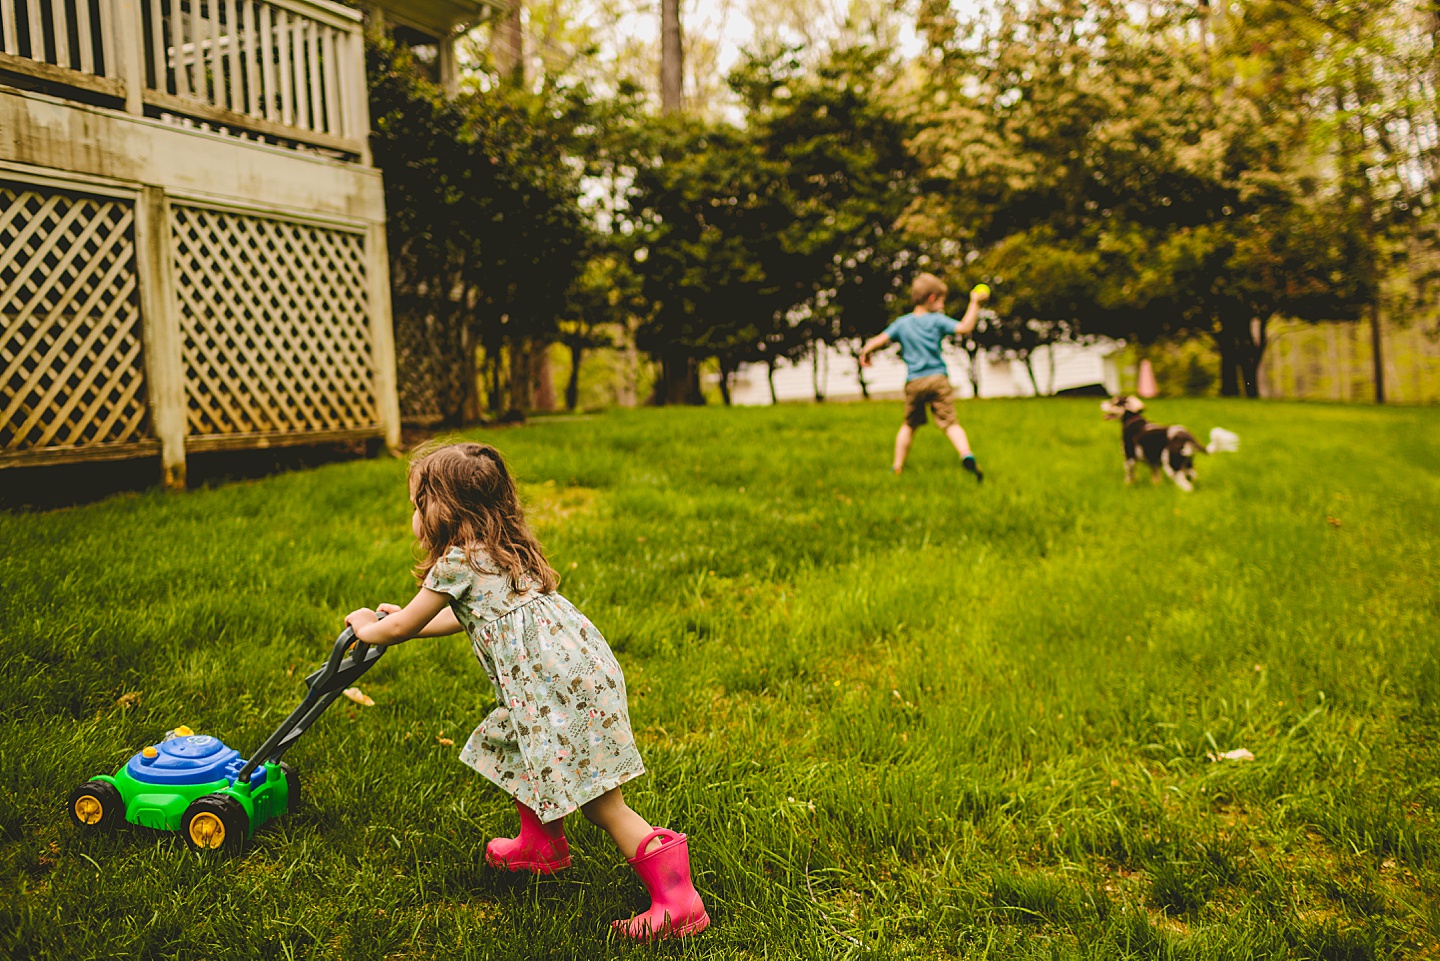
420, 618
441, 625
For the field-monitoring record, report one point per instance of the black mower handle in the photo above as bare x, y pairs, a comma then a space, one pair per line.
349, 658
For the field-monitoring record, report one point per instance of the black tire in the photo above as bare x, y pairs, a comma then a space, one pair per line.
215, 822
292, 788
96, 806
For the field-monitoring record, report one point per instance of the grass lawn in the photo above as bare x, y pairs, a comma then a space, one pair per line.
898, 717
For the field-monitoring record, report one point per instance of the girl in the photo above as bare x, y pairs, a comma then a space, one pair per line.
560, 738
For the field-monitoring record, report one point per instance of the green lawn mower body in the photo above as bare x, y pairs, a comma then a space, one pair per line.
195, 784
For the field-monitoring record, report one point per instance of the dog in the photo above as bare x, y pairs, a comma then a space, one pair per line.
1170, 448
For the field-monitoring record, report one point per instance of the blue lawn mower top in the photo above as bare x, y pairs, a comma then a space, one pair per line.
197, 785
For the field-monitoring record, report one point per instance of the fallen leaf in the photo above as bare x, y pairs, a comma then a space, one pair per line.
128, 699
359, 697
1333, 521
445, 741
1239, 754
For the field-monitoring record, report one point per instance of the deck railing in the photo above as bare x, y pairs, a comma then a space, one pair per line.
67, 41
289, 70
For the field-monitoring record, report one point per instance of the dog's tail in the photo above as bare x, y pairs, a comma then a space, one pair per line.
1222, 441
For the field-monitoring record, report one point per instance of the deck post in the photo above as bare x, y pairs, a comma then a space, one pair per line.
129, 49
164, 366
382, 336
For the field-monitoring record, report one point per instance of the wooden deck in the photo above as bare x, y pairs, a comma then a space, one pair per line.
192, 247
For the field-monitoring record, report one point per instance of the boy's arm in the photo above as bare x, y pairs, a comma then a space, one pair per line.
413, 620
972, 313
872, 345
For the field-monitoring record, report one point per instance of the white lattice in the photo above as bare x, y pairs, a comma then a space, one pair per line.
275, 325
70, 348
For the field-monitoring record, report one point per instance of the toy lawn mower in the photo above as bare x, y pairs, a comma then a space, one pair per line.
194, 784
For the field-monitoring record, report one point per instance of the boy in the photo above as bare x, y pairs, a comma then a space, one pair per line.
927, 381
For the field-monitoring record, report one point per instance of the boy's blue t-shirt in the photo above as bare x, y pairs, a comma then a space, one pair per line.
919, 337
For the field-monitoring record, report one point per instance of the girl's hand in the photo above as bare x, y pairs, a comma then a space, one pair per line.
388, 608
358, 619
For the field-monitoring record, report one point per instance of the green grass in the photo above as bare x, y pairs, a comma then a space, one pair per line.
898, 717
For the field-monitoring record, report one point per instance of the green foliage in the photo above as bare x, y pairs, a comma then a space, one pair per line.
485, 231
758, 241
1119, 176
1149, 172
897, 717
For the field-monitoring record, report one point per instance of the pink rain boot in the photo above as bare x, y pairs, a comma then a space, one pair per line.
675, 908
540, 848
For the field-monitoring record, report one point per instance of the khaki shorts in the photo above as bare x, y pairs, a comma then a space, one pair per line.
935, 391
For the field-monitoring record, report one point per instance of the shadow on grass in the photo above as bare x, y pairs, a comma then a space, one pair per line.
70, 485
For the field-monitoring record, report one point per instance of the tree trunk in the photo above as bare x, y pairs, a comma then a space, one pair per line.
770, 379
1030, 369
542, 377
815, 373
974, 356
860, 376
1377, 353
521, 396
726, 371
507, 44
672, 57
572, 385
1225, 344
494, 357
469, 412
1251, 352
679, 380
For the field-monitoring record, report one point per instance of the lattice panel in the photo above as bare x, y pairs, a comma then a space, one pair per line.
275, 325
431, 384
71, 366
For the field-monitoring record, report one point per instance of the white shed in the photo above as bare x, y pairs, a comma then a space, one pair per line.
835, 374
192, 242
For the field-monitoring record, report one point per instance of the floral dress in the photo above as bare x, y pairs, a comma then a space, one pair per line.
560, 736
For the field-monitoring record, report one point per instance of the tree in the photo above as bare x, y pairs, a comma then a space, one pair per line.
847, 176
1103, 139
672, 57
1365, 72
485, 231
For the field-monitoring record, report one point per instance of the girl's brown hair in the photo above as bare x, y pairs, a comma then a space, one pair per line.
467, 499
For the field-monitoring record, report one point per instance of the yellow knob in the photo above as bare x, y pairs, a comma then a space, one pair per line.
183, 731
149, 752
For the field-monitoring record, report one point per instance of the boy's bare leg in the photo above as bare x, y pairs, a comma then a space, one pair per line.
902, 446
956, 433
626, 828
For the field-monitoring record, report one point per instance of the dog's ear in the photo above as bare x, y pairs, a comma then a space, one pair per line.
1134, 404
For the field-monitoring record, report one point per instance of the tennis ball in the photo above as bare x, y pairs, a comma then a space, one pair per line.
980, 289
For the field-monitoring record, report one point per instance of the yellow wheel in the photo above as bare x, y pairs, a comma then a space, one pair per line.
96, 805
89, 809
207, 830
215, 822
